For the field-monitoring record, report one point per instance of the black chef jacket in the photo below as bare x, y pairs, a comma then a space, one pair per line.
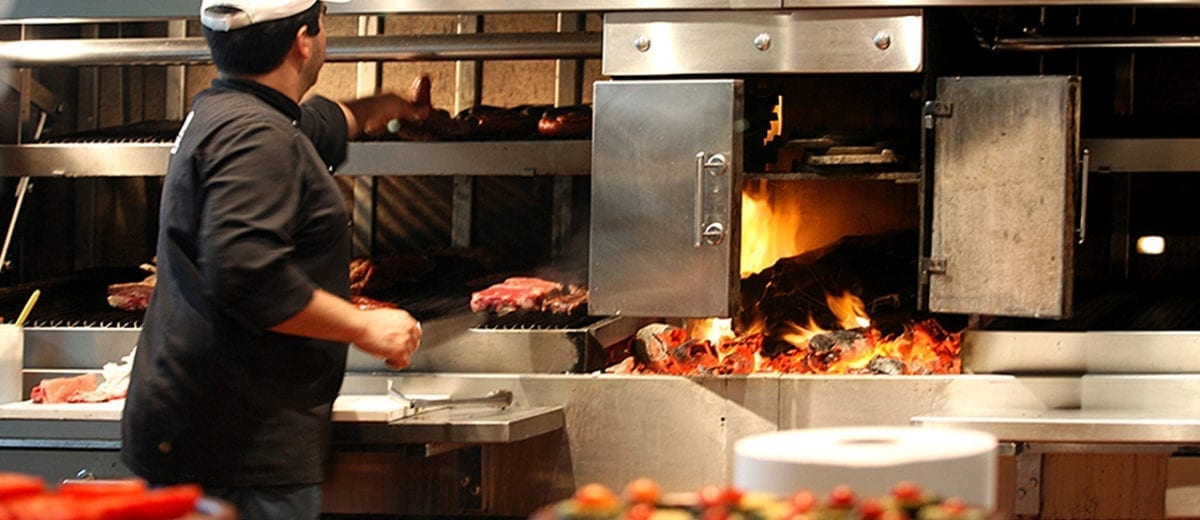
251, 223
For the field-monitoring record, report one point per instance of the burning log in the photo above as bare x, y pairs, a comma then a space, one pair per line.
825, 350
879, 269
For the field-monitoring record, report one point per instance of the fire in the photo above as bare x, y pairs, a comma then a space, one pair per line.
767, 235
849, 309
771, 224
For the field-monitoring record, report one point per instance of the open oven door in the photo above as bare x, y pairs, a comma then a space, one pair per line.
1006, 156
666, 198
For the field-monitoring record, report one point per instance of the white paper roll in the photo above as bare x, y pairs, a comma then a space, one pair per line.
12, 361
950, 462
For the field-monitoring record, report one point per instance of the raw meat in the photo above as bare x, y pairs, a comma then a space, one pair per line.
62, 389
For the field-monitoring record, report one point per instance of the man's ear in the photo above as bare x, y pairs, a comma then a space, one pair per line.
303, 43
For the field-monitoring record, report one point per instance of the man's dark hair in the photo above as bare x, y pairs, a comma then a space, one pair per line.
259, 48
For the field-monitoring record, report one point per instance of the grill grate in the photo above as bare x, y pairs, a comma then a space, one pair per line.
143, 132
76, 300
531, 320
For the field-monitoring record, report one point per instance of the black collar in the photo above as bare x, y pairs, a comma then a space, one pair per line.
269, 95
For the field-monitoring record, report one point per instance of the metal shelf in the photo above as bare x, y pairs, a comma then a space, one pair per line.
1134, 155
897, 177
1075, 426
74, 11
190, 51
520, 158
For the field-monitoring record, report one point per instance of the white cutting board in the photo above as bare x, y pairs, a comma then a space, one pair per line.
346, 408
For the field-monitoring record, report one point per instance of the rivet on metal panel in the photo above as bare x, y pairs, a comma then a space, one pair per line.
882, 40
641, 43
1028, 496
762, 42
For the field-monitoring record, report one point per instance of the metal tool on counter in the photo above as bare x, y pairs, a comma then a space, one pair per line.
413, 405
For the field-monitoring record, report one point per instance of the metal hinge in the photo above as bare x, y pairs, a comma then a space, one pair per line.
934, 109
933, 265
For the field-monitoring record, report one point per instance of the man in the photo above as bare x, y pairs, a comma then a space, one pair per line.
243, 348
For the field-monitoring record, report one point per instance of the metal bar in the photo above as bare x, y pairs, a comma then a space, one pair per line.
367, 83
568, 85
22, 187
176, 102
60, 444
1029, 484
468, 92
519, 158
74, 11
1049, 43
462, 202
189, 51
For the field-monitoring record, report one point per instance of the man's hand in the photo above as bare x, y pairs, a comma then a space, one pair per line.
390, 334
371, 115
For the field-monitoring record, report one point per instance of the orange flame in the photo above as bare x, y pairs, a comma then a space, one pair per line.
771, 224
767, 235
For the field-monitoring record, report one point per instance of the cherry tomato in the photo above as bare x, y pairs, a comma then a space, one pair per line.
870, 509
906, 491
842, 497
640, 511
954, 506
596, 497
49, 507
156, 504
643, 491
708, 496
16, 485
717, 512
803, 501
731, 496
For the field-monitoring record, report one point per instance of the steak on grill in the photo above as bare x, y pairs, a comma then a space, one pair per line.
133, 296
518, 292
568, 302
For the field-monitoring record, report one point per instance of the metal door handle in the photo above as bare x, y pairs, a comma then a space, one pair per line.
1085, 161
698, 206
712, 233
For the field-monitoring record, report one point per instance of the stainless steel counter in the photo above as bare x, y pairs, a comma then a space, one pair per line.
1076, 426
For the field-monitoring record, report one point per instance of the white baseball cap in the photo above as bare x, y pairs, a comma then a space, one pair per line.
235, 14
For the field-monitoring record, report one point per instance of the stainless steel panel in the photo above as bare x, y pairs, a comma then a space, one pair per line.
468, 425
970, 3
56, 465
822, 401
1161, 393
160, 51
464, 158
523, 158
1144, 155
654, 197
1005, 164
74, 11
1082, 426
85, 160
1099, 352
822, 41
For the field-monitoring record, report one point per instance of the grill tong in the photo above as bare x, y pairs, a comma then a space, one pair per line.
413, 405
